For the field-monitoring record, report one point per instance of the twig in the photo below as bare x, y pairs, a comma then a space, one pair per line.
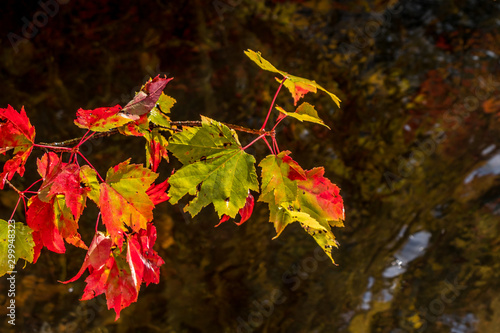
14, 188
173, 124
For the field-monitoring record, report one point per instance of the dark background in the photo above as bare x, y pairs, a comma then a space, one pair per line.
414, 149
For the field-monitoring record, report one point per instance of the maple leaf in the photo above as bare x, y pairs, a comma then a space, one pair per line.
144, 262
114, 280
216, 169
61, 178
320, 198
54, 213
97, 255
120, 273
138, 127
158, 192
146, 98
305, 112
277, 186
18, 134
16, 242
101, 119
297, 86
88, 178
123, 199
296, 195
156, 149
53, 223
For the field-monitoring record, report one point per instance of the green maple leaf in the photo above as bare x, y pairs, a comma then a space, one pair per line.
216, 169
21, 244
297, 86
276, 186
305, 112
88, 177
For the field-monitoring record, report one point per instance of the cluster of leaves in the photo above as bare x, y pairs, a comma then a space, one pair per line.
216, 170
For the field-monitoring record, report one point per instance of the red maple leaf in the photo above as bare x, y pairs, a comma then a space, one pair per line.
101, 119
62, 178
156, 150
110, 274
97, 255
143, 260
53, 214
113, 280
158, 192
53, 222
16, 133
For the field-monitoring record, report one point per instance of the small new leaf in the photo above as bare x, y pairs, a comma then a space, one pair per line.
298, 86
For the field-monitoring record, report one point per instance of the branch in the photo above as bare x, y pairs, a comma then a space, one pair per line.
175, 125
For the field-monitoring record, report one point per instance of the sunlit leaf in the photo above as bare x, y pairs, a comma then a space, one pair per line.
156, 149
296, 195
17, 134
101, 119
216, 169
123, 199
298, 86
158, 114
15, 240
305, 112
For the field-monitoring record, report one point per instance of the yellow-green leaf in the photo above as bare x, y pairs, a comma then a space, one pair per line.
298, 86
16, 242
216, 169
305, 112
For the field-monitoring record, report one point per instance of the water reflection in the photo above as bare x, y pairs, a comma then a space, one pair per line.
412, 249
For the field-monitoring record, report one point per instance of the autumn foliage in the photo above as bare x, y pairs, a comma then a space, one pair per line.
216, 170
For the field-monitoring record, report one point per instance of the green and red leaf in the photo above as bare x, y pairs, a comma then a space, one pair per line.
296, 195
101, 119
297, 86
123, 199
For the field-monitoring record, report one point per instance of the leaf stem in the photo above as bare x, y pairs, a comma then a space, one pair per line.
50, 146
276, 148
272, 104
86, 160
268, 145
255, 140
279, 121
